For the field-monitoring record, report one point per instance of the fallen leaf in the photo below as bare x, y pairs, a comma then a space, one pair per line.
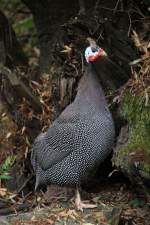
4, 114
35, 83
3, 192
87, 224
23, 130
8, 135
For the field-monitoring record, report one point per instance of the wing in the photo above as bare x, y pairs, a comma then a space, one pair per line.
57, 144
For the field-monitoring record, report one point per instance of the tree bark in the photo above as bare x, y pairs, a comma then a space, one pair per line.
11, 53
48, 17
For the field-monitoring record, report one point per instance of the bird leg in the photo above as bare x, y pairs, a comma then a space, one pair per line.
82, 205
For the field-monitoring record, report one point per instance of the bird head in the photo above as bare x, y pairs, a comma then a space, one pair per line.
93, 52
92, 44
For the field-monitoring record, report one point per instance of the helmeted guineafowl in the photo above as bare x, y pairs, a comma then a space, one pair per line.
78, 140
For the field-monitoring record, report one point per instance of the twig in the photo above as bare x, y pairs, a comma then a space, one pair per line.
27, 195
110, 9
82, 7
115, 9
14, 210
130, 25
121, 6
25, 183
10, 35
72, 65
93, 32
137, 11
138, 60
100, 36
21, 89
82, 65
96, 5
2, 204
5, 200
111, 173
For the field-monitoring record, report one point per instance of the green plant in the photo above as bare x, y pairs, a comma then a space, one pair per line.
23, 26
137, 202
4, 168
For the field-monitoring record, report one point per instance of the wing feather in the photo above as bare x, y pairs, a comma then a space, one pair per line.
56, 144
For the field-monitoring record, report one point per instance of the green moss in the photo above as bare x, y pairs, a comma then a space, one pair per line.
137, 114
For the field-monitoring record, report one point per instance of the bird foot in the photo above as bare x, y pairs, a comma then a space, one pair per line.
82, 205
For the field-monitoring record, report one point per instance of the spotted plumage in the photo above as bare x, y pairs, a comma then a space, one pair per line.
78, 140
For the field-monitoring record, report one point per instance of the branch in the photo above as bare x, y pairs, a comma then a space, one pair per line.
21, 89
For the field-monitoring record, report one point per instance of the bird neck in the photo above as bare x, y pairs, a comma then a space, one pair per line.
90, 88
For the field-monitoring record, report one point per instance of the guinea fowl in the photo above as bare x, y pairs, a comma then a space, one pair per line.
77, 141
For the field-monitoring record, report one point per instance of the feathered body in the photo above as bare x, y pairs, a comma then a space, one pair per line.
78, 140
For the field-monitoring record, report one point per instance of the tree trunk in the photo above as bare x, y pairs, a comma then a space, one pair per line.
11, 53
48, 17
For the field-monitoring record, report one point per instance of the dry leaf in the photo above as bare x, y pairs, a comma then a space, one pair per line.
23, 130
68, 50
4, 114
35, 83
3, 192
8, 135
87, 224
